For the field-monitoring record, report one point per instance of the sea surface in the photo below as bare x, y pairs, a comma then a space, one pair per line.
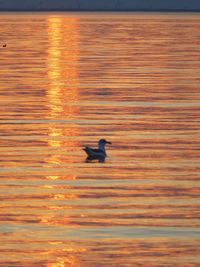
69, 79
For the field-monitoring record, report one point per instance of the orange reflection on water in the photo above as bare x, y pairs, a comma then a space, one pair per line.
62, 92
71, 261
58, 264
54, 68
62, 97
65, 196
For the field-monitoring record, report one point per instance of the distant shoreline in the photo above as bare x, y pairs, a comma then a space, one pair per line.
103, 10
100, 5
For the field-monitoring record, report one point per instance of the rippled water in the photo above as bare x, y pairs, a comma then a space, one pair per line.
67, 80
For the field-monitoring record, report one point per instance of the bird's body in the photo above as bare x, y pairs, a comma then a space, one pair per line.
97, 154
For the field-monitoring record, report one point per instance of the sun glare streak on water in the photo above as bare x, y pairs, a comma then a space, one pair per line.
67, 80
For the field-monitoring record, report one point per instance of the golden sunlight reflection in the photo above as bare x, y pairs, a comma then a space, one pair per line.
62, 97
58, 264
69, 258
70, 261
62, 92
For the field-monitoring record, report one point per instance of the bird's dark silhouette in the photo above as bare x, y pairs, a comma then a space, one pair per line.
97, 153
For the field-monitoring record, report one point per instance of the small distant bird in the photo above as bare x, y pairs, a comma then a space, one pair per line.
4, 45
97, 154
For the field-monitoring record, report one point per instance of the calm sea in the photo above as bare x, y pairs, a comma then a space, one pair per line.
67, 80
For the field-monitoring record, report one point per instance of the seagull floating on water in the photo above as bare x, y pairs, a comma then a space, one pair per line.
97, 154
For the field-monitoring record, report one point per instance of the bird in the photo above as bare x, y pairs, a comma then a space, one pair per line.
4, 45
97, 154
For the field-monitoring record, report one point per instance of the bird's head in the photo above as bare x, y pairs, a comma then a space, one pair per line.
104, 142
